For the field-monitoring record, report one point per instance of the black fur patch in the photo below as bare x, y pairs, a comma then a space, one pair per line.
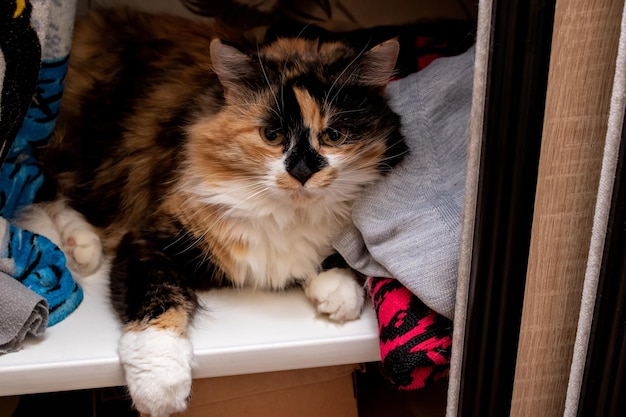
145, 282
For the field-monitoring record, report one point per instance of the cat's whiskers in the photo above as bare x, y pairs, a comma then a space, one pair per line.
261, 189
179, 237
256, 189
195, 211
376, 165
222, 218
340, 113
192, 242
355, 176
395, 156
353, 182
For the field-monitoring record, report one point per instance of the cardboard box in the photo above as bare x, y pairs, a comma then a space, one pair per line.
315, 392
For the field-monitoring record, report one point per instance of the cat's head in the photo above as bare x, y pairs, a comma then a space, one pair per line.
304, 120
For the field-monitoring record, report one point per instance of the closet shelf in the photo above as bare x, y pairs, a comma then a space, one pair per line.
236, 332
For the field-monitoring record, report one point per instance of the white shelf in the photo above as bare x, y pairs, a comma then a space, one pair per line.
238, 332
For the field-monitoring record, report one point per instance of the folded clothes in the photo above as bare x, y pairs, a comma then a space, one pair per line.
35, 44
408, 225
22, 313
39, 265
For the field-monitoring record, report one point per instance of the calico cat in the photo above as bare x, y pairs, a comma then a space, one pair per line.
194, 163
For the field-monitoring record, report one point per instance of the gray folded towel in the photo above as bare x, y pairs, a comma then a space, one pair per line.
22, 312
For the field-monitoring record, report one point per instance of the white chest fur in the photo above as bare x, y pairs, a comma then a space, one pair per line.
288, 245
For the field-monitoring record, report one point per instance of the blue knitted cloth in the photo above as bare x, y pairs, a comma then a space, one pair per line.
39, 264
35, 39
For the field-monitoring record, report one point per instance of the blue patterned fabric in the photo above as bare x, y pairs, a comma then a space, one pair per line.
41, 116
20, 174
19, 182
39, 264
35, 37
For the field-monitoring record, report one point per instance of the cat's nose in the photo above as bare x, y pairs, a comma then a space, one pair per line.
301, 172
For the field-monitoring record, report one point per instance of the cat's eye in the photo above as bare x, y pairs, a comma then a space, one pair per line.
334, 137
272, 136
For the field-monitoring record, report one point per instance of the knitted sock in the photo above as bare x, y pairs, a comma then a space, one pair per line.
415, 342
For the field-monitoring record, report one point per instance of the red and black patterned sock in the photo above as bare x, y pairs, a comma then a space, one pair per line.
415, 341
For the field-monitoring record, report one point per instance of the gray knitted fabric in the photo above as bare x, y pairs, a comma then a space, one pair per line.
408, 225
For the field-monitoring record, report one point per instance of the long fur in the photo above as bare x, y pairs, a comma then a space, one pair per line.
198, 164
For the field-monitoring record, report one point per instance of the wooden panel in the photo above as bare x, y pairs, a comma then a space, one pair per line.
584, 50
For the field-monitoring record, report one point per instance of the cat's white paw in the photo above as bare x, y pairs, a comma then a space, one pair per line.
84, 249
335, 292
157, 365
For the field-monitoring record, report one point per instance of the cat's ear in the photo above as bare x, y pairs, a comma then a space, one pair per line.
233, 68
377, 65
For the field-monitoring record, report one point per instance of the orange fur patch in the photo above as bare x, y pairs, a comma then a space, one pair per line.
285, 181
175, 319
323, 178
229, 146
311, 112
238, 248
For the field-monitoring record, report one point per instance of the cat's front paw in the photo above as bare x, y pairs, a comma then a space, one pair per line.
84, 249
336, 293
157, 366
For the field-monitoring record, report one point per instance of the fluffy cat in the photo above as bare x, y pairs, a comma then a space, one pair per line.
195, 164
